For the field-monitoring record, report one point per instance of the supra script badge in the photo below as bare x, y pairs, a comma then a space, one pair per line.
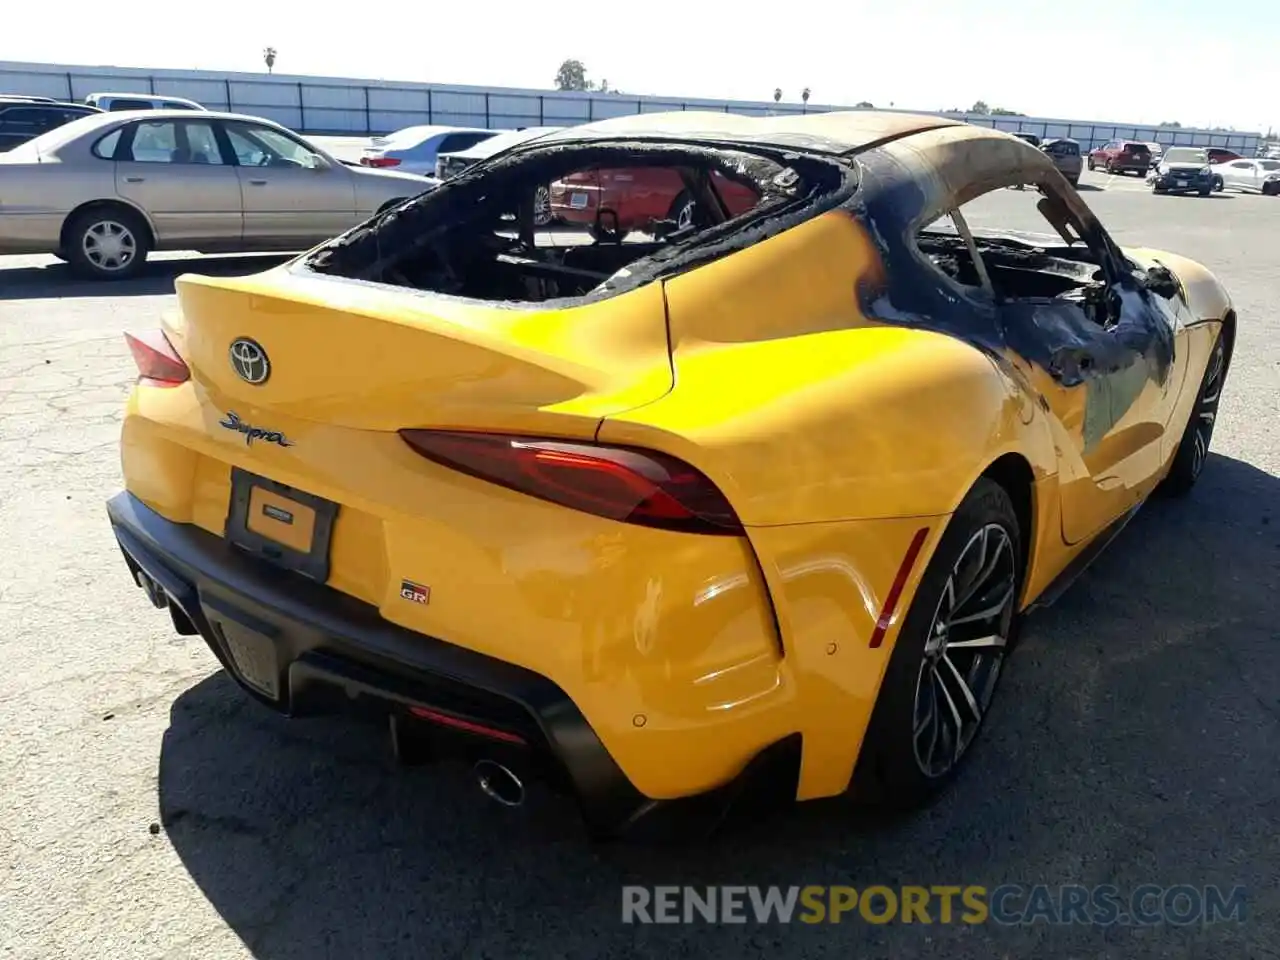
233, 422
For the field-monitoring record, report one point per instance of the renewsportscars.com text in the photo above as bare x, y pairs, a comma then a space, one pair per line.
1008, 904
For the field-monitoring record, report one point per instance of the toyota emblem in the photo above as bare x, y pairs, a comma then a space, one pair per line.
249, 361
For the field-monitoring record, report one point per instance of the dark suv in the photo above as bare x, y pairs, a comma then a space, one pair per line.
25, 118
1122, 156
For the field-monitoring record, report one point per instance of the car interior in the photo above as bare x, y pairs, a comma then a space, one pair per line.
1025, 270
476, 236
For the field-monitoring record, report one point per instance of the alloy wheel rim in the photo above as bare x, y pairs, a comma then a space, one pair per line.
1207, 409
965, 650
109, 245
541, 207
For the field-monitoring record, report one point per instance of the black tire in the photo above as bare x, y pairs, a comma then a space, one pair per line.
1109, 167
891, 774
1074, 181
1270, 189
122, 237
1204, 191
1089, 163
1218, 185
684, 205
1155, 188
1193, 449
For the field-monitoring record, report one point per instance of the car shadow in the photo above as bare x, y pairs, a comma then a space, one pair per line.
56, 281
1088, 187
1141, 704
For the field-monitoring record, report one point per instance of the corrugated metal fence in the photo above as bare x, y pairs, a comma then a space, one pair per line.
329, 105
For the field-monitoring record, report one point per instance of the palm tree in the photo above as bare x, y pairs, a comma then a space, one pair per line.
777, 94
269, 58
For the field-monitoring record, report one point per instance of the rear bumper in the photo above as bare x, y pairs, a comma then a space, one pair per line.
304, 648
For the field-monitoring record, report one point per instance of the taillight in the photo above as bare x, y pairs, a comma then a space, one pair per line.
158, 362
380, 161
643, 487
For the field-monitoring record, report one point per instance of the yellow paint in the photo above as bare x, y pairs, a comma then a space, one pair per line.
835, 437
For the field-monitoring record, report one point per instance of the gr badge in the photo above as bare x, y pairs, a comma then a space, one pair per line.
415, 592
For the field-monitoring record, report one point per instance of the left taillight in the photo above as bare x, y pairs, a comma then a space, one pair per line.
159, 364
635, 486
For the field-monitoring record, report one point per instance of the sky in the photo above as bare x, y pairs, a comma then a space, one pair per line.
1140, 61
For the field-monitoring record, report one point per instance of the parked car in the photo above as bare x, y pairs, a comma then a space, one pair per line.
1030, 138
1122, 156
1249, 176
752, 516
1183, 170
1221, 155
615, 201
450, 164
25, 118
113, 102
103, 191
1065, 154
1157, 152
416, 149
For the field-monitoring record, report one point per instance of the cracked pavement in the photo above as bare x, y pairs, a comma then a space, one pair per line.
148, 809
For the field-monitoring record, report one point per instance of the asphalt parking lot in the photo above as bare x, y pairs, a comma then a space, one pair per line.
148, 809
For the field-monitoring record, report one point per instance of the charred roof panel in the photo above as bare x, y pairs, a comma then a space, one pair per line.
834, 133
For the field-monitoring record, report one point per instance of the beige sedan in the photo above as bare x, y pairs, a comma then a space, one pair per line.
104, 191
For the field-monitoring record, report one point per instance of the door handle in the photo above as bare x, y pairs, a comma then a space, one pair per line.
134, 179
258, 183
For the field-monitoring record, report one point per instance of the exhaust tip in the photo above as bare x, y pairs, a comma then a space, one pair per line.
498, 783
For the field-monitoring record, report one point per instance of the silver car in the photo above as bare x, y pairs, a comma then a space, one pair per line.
104, 191
1262, 176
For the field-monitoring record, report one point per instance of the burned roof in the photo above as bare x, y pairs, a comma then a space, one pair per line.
835, 133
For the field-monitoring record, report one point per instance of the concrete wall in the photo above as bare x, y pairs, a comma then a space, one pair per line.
334, 105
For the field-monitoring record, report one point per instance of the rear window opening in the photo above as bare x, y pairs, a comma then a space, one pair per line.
560, 222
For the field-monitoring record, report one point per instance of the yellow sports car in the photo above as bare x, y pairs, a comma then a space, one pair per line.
742, 505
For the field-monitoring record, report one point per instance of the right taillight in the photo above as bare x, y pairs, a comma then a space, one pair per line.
381, 161
643, 487
159, 364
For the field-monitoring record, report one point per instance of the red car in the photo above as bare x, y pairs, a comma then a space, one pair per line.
633, 198
1122, 156
1221, 155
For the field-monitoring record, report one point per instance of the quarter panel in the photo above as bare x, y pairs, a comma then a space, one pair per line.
804, 410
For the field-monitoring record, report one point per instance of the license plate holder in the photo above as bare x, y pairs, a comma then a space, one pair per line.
281, 524
1181, 183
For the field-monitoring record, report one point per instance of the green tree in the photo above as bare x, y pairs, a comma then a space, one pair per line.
980, 107
572, 75
865, 105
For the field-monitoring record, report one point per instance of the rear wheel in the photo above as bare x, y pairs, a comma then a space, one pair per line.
542, 206
1204, 191
1089, 163
1218, 185
683, 209
1270, 189
947, 661
1193, 450
107, 243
